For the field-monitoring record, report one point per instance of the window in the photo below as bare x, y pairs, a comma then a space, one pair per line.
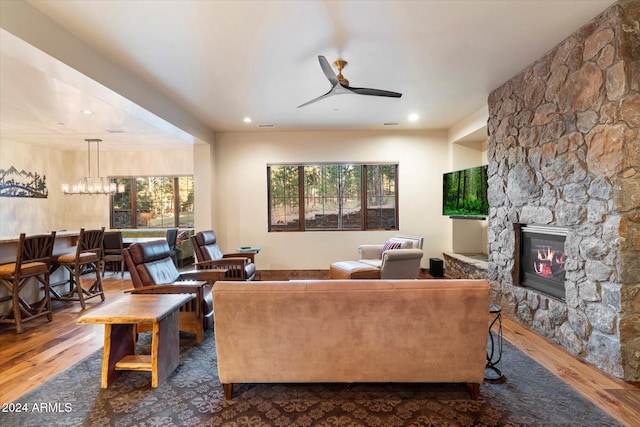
158, 202
344, 196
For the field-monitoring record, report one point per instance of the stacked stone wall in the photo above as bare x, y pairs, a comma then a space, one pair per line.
458, 266
564, 150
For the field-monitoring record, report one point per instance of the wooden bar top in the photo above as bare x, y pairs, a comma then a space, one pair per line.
59, 234
137, 309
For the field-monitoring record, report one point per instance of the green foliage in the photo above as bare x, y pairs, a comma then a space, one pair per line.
154, 202
465, 192
328, 191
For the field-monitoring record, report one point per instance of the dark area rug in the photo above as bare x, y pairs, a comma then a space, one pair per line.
192, 396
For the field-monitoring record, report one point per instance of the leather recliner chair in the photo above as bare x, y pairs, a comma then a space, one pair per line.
153, 272
239, 266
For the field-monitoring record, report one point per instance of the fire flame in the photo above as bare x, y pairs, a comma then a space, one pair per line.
549, 262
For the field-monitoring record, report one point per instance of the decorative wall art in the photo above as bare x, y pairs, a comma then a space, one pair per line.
14, 183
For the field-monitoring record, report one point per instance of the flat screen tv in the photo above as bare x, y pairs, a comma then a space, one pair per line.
464, 193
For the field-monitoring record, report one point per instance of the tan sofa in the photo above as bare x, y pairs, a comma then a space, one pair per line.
351, 331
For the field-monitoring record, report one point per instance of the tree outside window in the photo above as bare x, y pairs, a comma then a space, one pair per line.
158, 202
332, 197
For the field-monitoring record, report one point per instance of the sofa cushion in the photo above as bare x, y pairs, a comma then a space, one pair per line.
353, 270
250, 269
158, 272
376, 263
212, 251
149, 251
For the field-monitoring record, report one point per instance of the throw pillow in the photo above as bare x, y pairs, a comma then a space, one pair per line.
404, 243
389, 246
181, 238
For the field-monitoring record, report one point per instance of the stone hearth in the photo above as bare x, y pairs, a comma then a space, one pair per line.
465, 266
564, 150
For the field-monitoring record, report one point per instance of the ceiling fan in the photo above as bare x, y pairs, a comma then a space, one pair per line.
340, 85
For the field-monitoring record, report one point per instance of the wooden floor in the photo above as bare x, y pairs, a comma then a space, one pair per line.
46, 348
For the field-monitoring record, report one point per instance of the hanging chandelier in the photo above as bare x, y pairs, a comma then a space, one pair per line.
93, 185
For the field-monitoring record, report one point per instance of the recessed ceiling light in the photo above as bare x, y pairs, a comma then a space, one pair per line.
247, 120
413, 117
87, 112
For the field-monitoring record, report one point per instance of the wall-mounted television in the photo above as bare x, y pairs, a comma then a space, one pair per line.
464, 193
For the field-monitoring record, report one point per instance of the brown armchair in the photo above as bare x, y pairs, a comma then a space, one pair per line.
239, 266
153, 272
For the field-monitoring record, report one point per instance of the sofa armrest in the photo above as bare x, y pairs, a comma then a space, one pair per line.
370, 251
401, 264
401, 254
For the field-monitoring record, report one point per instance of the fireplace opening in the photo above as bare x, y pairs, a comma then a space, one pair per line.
542, 259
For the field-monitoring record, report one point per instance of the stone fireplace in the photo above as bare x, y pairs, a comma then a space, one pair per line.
564, 151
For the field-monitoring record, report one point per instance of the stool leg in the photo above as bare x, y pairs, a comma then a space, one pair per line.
78, 287
47, 296
97, 286
15, 301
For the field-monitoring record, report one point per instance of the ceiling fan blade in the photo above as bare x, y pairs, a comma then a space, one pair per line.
326, 68
326, 95
374, 92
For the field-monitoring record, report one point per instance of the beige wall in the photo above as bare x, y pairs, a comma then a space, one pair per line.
231, 189
468, 148
203, 177
240, 205
72, 212
469, 235
28, 215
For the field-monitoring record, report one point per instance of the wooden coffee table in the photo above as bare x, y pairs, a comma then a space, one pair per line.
120, 318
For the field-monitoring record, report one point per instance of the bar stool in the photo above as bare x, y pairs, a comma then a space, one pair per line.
33, 259
87, 258
113, 247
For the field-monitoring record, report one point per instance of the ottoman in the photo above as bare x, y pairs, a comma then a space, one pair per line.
353, 270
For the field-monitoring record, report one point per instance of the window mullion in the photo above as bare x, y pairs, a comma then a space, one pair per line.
363, 197
176, 202
396, 192
133, 190
301, 184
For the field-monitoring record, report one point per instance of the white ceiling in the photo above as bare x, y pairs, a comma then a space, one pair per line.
222, 61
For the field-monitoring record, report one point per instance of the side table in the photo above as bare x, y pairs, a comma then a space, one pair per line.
242, 249
494, 352
120, 318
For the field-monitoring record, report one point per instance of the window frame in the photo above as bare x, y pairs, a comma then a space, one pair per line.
364, 206
134, 202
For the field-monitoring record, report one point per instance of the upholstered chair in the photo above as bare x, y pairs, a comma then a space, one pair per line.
113, 248
153, 272
240, 266
398, 258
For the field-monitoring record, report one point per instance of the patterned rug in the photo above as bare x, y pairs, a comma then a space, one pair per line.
192, 396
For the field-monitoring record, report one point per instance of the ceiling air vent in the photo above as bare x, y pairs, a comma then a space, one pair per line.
390, 124
266, 126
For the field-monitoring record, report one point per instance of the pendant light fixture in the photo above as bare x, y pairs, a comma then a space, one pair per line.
93, 185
